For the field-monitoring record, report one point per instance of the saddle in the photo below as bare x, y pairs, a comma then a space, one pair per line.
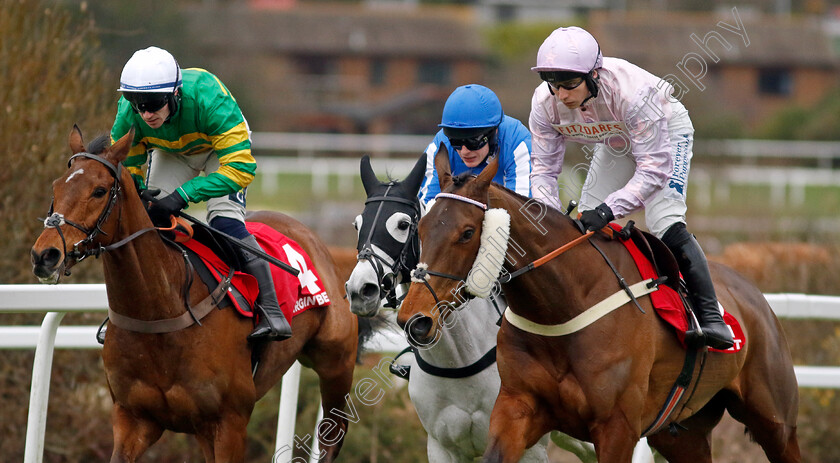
216, 259
654, 259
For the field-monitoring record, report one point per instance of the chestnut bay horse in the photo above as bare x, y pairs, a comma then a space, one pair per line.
454, 381
197, 380
608, 381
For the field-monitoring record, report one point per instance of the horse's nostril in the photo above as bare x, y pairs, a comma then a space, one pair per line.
48, 258
369, 290
418, 328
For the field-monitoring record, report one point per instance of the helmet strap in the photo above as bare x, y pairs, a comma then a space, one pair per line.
174, 102
493, 142
591, 80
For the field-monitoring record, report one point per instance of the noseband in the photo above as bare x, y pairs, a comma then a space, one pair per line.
387, 280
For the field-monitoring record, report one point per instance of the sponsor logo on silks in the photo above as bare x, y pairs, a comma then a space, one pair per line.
591, 131
306, 302
679, 186
678, 179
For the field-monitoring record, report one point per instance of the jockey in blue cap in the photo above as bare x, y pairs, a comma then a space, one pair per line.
473, 129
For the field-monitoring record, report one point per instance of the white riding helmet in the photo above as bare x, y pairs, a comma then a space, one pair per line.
569, 49
151, 70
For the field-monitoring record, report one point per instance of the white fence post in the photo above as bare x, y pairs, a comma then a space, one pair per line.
288, 410
39, 391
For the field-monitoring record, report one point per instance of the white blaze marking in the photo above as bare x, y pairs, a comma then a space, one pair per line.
78, 172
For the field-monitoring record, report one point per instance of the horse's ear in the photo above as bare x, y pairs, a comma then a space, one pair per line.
369, 179
442, 167
411, 184
486, 175
76, 143
119, 150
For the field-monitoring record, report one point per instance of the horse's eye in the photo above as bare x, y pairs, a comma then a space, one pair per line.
467, 235
403, 225
99, 192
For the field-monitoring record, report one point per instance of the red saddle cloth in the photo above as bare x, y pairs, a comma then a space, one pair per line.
296, 294
668, 304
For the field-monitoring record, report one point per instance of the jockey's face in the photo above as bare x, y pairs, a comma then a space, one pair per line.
473, 158
571, 98
157, 118
473, 150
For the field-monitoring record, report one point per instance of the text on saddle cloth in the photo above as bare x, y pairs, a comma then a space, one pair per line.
295, 294
668, 303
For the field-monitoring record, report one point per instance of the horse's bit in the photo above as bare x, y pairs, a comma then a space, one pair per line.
387, 280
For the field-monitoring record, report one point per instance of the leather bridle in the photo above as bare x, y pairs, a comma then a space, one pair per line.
86, 247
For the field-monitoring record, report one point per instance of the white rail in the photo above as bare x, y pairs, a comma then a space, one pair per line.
58, 300
307, 144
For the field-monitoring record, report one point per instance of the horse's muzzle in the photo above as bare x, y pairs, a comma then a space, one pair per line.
365, 302
46, 265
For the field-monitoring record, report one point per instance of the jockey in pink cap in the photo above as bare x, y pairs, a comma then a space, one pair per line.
642, 139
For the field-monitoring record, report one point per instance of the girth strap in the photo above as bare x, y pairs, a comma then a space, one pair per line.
170, 325
681, 384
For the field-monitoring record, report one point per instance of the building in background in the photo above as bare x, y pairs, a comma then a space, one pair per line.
339, 67
727, 63
387, 67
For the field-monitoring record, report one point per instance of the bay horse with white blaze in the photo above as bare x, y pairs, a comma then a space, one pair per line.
197, 380
606, 382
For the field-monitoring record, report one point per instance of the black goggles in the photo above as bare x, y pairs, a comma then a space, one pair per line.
146, 102
472, 144
564, 80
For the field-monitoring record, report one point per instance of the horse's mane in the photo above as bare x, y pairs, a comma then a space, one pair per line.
98, 145
460, 180
505, 194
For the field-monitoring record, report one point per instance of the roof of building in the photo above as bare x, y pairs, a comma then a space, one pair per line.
339, 29
665, 38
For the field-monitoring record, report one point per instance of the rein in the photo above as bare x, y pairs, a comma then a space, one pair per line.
421, 273
387, 280
626, 294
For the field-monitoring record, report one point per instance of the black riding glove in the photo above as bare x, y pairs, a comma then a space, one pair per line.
597, 218
149, 196
160, 210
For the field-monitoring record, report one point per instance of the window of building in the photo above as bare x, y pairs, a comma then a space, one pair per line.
434, 72
315, 65
775, 81
378, 72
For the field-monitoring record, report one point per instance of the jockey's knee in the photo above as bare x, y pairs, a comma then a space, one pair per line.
232, 227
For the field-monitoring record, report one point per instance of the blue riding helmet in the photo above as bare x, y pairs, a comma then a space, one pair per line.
468, 108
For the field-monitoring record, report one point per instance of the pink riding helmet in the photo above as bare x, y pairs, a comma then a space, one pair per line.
569, 49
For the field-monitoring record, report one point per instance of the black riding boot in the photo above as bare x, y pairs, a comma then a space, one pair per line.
695, 270
273, 324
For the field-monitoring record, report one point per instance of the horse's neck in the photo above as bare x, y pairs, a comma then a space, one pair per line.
145, 277
468, 334
537, 240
